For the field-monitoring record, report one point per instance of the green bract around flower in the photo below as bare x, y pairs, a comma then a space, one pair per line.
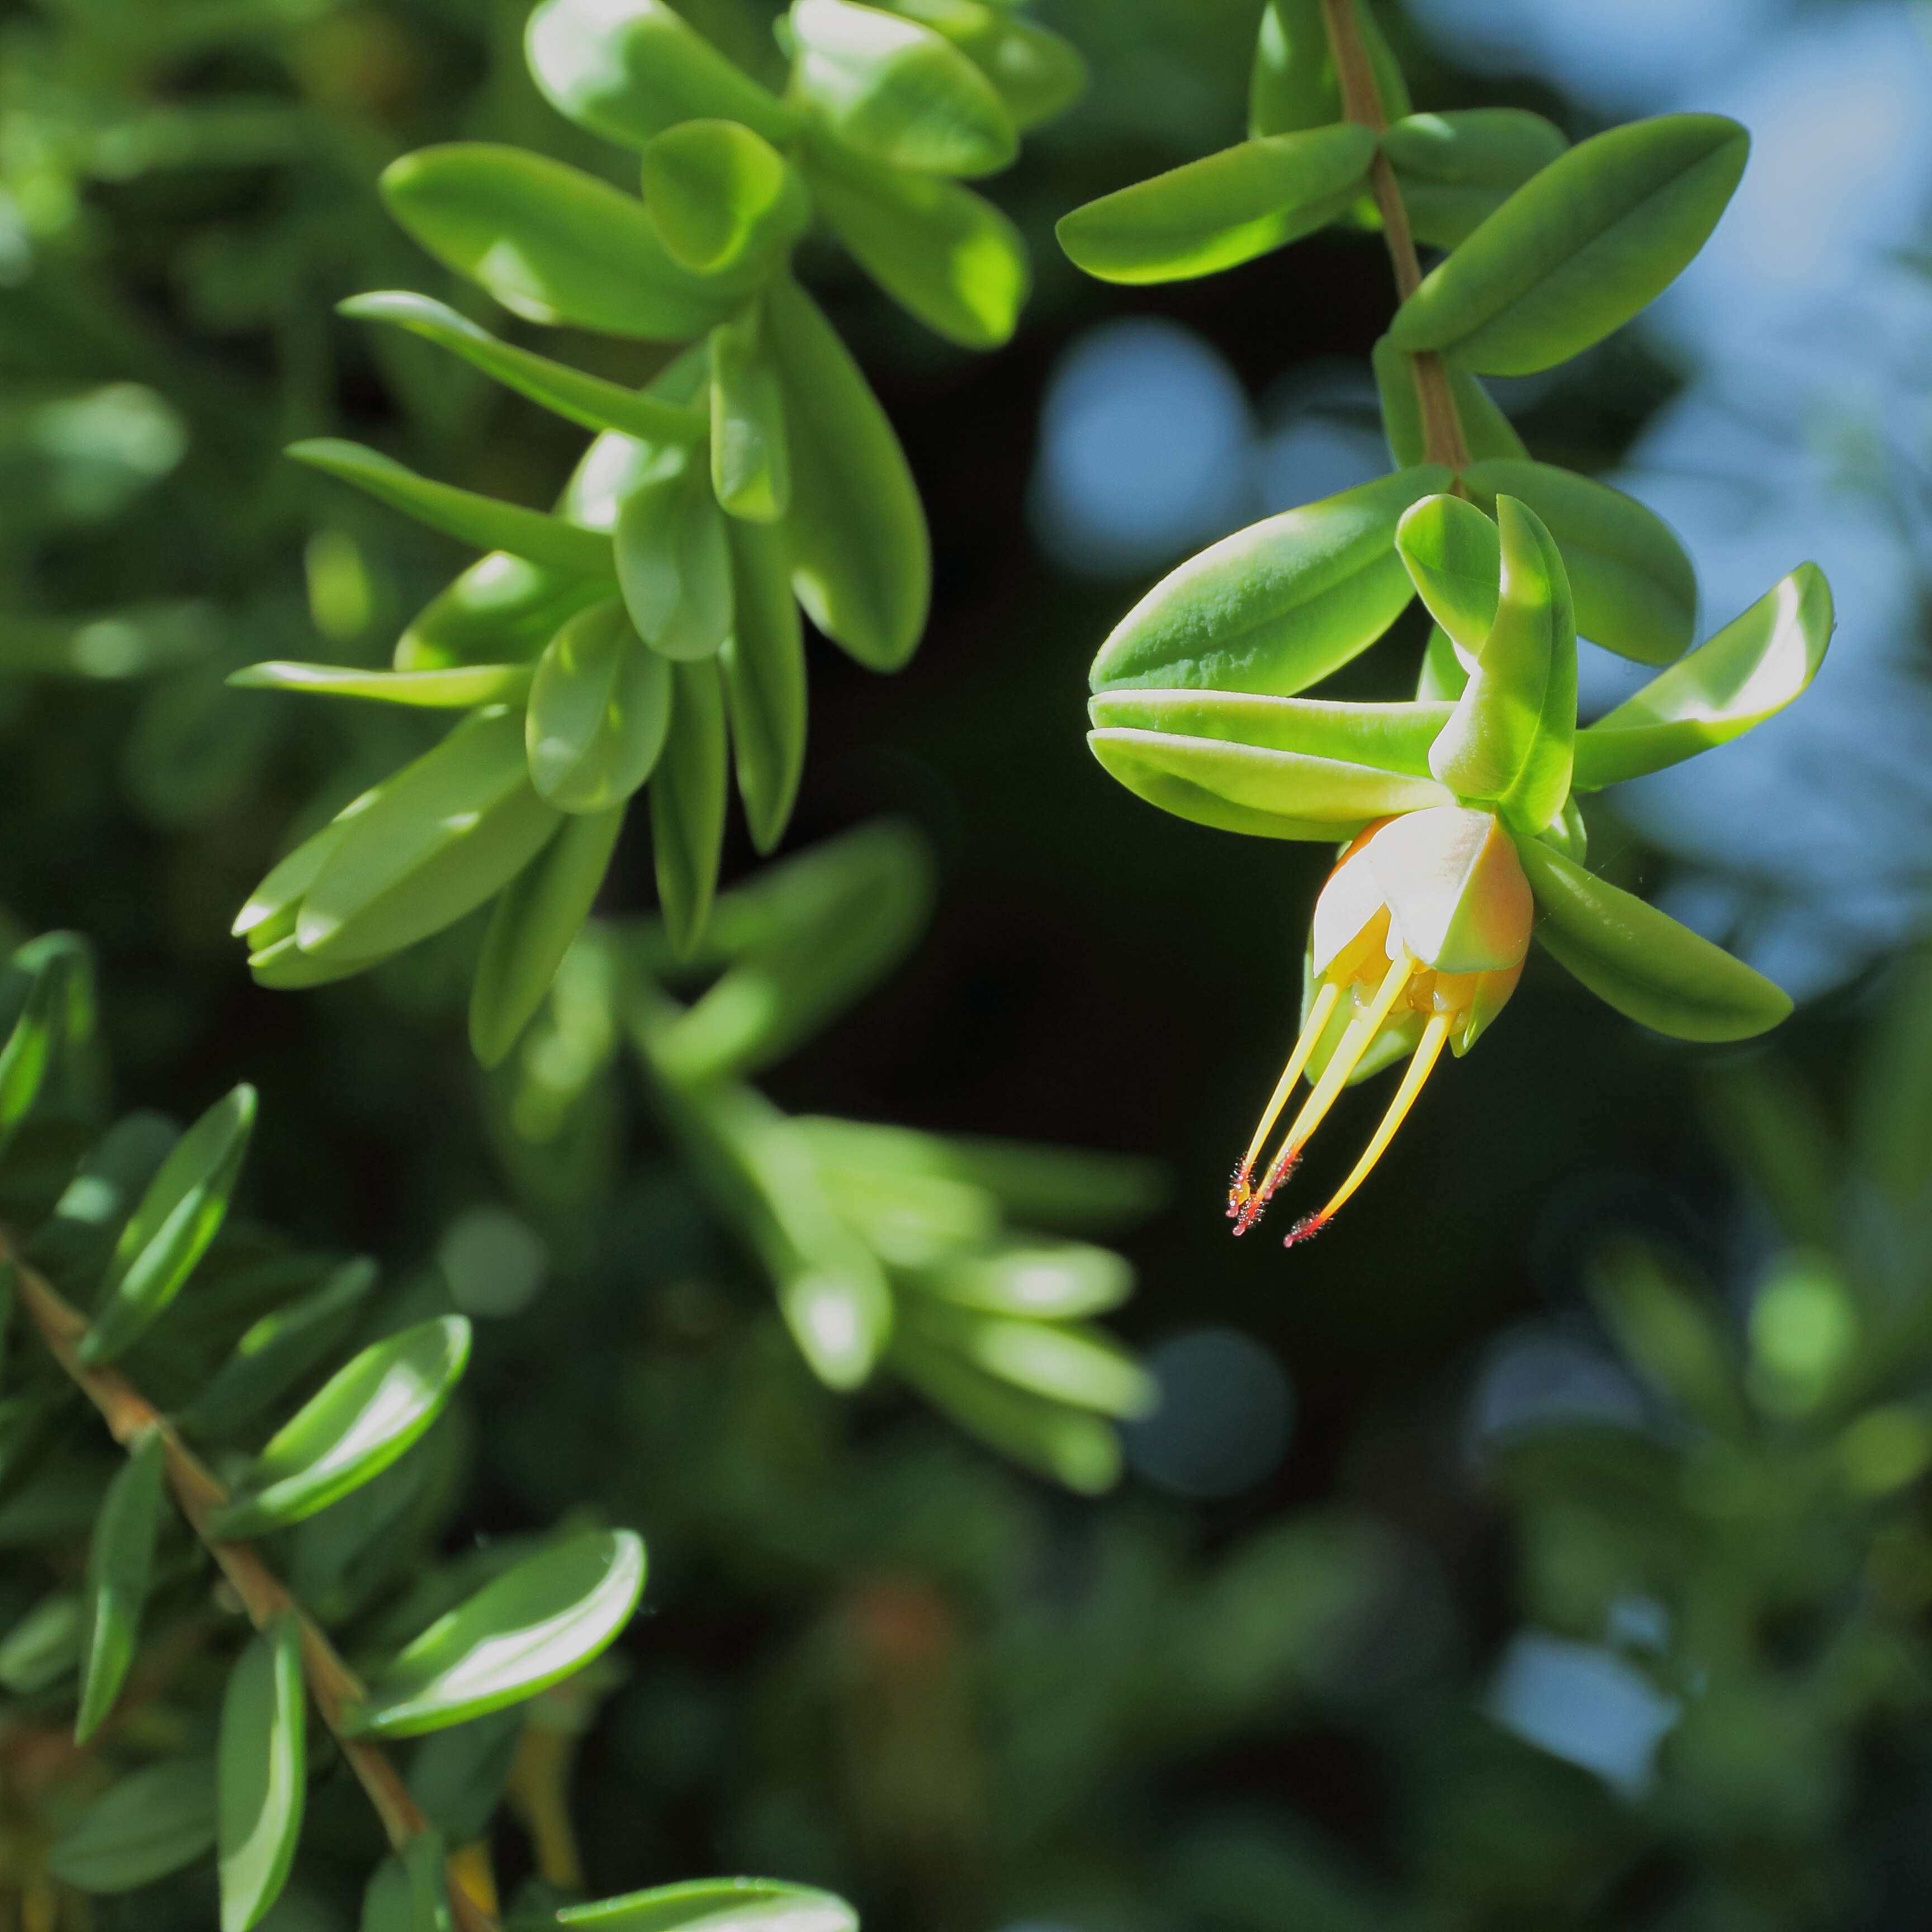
1466, 837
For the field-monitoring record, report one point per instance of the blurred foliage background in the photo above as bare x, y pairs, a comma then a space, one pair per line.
1549, 1545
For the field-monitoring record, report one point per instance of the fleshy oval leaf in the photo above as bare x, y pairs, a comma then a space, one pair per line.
518, 1635
1223, 209
261, 1774
629, 69
688, 793
703, 1905
1391, 737
1277, 606
151, 1822
722, 195
1641, 961
1579, 248
1749, 671
169, 1231
355, 1425
598, 712
120, 1562
898, 91
763, 663
1457, 168
1292, 83
1486, 431
553, 244
1246, 788
461, 688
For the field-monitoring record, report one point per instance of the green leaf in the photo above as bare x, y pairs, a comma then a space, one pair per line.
262, 1773
278, 1350
1511, 740
53, 1067
1640, 961
1749, 671
763, 666
1058, 1281
703, 1905
461, 514
1037, 72
356, 1425
150, 1823
1443, 678
688, 798
427, 845
552, 244
74, 1244
410, 1890
1277, 606
898, 91
460, 688
1636, 590
1224, 208
1072, 1446
545, 1619
45, 1645
120, 1561
1065, 1362
817, 931
598, 712
1391, 737
1486, 430
535, 918
501, 607
673, 563
861, 563
587, 400
1579, 249
1292, 84
1248, 788
181, 1213
1672, 1339
945, 255
629, 69
457, 1776
751, 462
1453, 555
1456, 169
722, 196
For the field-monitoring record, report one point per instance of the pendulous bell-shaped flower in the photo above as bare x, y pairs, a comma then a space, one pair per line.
1455, 814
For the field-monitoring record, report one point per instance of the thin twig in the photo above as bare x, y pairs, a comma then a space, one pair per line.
333, 1686
1443, 440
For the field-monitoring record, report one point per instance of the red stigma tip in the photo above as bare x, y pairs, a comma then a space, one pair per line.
1306, 1229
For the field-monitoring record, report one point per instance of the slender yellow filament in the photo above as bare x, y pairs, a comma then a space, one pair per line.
1348, 1052
1311, 1032
1420, 1066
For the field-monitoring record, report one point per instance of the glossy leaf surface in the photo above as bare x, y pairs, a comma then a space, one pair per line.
120, 1561
1486, 430
362, 1419
1391, 737
1037, 73
704, 1905
751, 458
1509, 741
898, 92
722, 195
461, 688
1238, 788
1579, 249
169, 1232
579, 398
945, 255
501, 607
1453, 555
598, 712
535, 918
410, 1890
461, 514
629, 69
1635, 589
1223, 209
552, 244
1455, 169
539, 1622
1749, 671
763, 662
689, 792
427, 845
1292, 84
1277, 606
261, 1773
673, 565
1641, 961
861, 562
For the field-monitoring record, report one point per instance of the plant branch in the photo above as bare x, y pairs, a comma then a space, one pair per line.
1444, 442
130, 1416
